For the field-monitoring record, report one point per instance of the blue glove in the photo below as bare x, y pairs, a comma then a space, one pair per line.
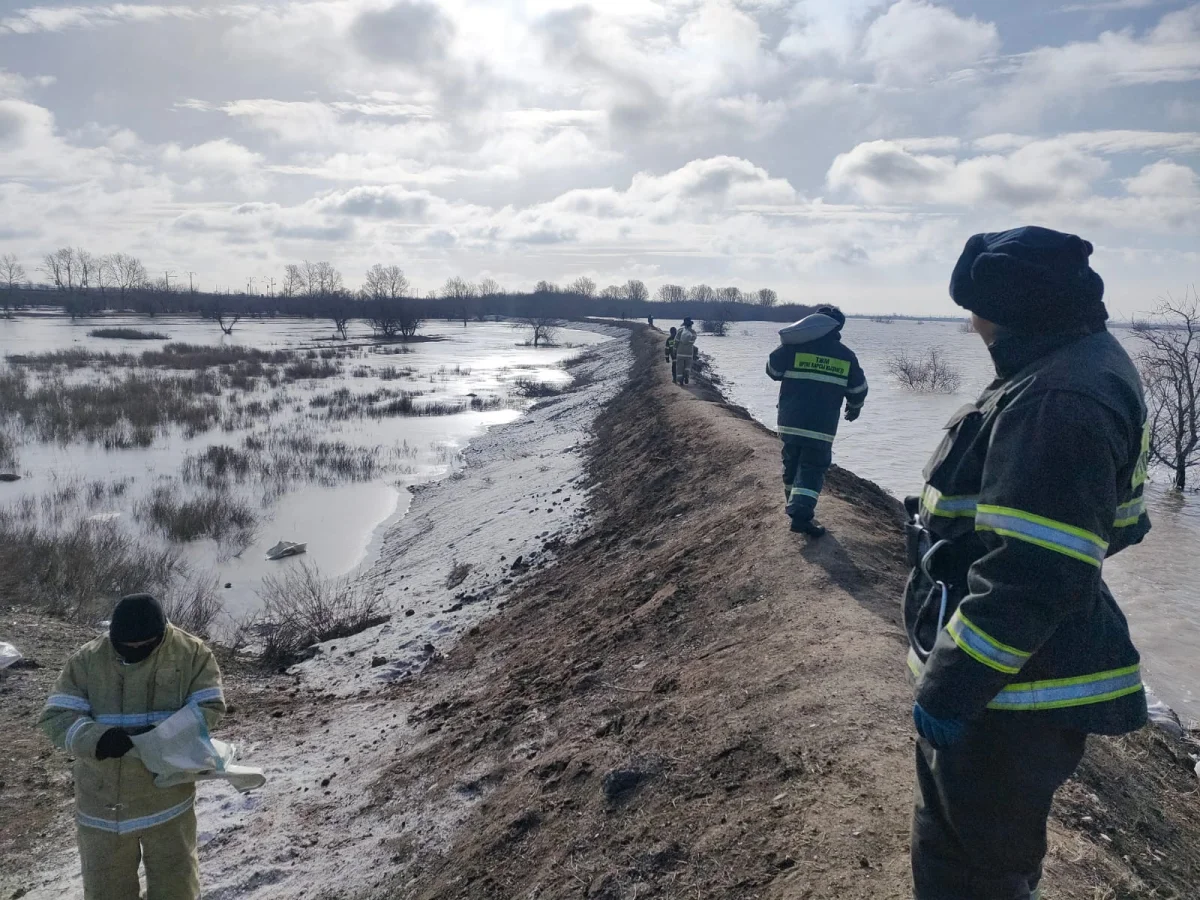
941, 733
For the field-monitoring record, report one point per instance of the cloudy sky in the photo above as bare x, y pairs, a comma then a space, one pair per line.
833, 149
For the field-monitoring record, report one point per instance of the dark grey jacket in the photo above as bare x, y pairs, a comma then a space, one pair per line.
816, 377
1035, 485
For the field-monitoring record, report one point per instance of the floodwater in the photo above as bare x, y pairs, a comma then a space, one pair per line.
343, 522
1155, 583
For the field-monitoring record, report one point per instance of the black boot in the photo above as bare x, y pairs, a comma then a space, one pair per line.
811, 527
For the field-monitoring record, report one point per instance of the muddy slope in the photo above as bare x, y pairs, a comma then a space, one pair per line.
696, 703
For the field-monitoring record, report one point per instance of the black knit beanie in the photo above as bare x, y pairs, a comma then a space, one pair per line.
138, 617
1032, 280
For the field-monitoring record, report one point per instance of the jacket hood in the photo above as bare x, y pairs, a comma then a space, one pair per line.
810, 328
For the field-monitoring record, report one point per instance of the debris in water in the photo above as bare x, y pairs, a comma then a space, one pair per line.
284, 549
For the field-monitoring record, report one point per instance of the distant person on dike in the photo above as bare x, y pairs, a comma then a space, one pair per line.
1018, 650
118, 685
670, 351
685, 351
817, 372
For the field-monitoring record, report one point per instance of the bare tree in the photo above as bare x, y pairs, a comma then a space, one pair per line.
225, 320
86, 268
461, 294
583, 286
702, 293
717, 323
671, 293
767, 298
126, 273
542, 327
490, 287
386, 283
729, 295
1170, 365
930, 373
11, 273
59, 269
636, 291
293, 281
546, 287
613, 292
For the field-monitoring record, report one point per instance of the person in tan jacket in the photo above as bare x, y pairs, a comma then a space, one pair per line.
115, 686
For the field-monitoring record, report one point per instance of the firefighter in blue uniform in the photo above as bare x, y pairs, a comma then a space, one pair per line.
1018, 649
816, 372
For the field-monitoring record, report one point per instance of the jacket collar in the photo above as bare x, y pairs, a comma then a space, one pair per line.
1013, 352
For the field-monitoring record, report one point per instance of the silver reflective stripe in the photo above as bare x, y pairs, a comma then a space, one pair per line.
205, 696
133, 720
805, 492
1057, 536
861, 389
804, 432
773, 373
73, 732
815, 376
1064, 692
984, 648
1130, 513
68, 701
140, 824
936, 504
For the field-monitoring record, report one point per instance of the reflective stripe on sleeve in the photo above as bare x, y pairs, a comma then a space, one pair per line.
206, 695
140, 824
861, 389
773, 373
1130, 513
815, 376
936, 503
134, 720
982, 647
1042, 532
1059, 692
73, 732
804, 432
1063, 692
68, 701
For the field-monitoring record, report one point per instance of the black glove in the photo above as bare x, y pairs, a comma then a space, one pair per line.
113, 744
853, 412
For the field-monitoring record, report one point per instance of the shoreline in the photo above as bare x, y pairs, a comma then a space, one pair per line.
688, 702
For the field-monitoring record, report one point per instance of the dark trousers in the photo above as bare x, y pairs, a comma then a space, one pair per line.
979, 824
804, 466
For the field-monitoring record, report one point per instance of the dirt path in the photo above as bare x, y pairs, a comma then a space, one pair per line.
696, 703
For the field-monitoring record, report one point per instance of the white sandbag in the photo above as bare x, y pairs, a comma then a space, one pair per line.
180, 750
8, 655
808, 329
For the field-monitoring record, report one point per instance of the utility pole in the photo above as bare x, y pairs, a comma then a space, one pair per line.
250, 286
167, 276
191, 287
271, 282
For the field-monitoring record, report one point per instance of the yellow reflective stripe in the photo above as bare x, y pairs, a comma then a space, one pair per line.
982, 647
914, 663
1142, 469
1060, 693
816, 376
1042, 532
936, 503
810, 362
1130, 513
804, 432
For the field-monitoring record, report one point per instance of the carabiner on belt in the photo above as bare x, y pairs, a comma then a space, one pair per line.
937, 584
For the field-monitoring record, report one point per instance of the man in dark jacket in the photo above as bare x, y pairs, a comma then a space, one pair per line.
817, 372
1018, 650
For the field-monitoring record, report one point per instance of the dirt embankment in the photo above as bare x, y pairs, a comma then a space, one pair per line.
696, 703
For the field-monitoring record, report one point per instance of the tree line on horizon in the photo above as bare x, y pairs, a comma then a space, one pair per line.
85, 284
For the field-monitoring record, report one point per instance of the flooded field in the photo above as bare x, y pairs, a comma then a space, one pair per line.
175, 462
1155, 582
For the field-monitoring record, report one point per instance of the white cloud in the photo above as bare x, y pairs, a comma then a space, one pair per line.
39, 19
1050, 77
1164, 178
916, 40
827, 28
